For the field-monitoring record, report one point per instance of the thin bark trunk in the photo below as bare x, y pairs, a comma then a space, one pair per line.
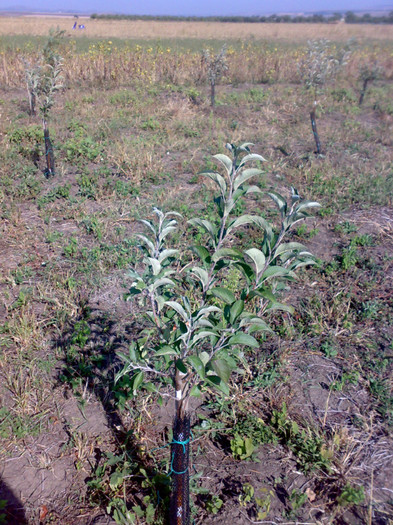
179, 511
49, 155
32, 100
363, 92
314, 130
213, 95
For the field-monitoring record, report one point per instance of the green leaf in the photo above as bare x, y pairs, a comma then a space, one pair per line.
225, 161
236, 309
277, 271
281, 307
258, 257
137, 380
196, 391
162, 282
166, 253
178, 308
245, 175
307, 204
116, 480
166, 231
251, 156
226, 253
198, 366
202, 253
253, 189
202, 335
206, 225
224, 294
218, 179
155, 264
289, 247
218, 383
243, 339
149, 225
240, 221
201, 274
147, 241
280, 202
180, 366
221, 368
166, 350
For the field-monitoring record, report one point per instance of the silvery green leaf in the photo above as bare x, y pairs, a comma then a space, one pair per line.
221, 368
206, 225
202, 335
149, 225
258, 257
134, 274
229, 204
255, 322
240, 221
175, 213
178, 308
290, 255
201, 252
226, 253
158, 212
289, 247
155, 264
307, 204
201, 274
166, 231
253, 189
251, 156
245, 146
263, 224
281, 307
197, 365
203, 323
219, 179
245, 175
225, 161
277, 271
280, 202
207, 310
147, 241
236, 309
161, 282
166, 350
224, 294
165, 254
243, 339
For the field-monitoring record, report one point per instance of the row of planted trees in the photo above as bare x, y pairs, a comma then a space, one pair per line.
316, 67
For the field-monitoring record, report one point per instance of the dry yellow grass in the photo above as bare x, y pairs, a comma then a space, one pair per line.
139, 29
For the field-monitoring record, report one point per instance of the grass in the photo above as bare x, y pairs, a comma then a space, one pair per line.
126, 141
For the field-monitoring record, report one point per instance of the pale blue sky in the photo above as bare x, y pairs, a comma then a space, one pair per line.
199, 7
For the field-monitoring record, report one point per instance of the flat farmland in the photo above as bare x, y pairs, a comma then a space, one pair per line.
140, 29
303, 434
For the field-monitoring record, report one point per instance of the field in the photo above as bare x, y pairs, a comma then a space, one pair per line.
305, 434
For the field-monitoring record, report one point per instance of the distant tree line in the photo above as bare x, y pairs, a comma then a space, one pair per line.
349, 18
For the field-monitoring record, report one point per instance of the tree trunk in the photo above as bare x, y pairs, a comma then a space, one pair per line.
363, 92
213, 94
314, 130
32, 100
179, 510
49, 155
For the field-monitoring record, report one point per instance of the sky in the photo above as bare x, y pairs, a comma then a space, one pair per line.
199, 7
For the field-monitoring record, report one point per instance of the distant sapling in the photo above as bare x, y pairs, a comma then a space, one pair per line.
216, 66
